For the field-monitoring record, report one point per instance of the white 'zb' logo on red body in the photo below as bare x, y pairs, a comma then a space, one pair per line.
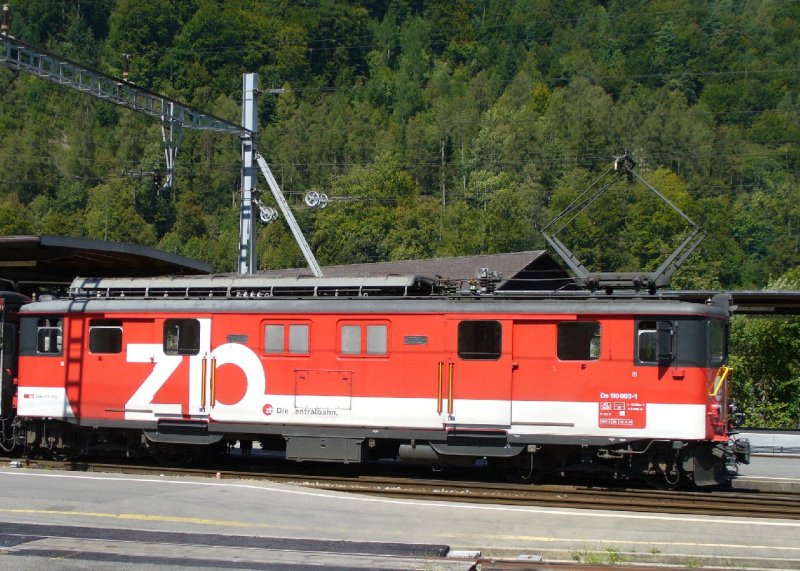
141, 406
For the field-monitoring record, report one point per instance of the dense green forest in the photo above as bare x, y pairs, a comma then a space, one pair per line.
441, 127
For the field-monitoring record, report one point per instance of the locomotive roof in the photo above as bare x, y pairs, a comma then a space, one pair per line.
464, 304
250, 286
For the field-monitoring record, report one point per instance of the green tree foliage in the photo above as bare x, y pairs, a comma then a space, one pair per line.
111, 214
75, 27
14, 217
677, 135
766, 362
369, 203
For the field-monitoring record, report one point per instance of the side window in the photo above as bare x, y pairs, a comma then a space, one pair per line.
351, 340
49, 335
181, 337
286, 338
377, 339
718, 342
480, 340
273, 339
105, 336
298, 339
647, 339
370, 339
579, 340
655, 342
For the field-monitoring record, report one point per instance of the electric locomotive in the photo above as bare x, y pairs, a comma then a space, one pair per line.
349, 370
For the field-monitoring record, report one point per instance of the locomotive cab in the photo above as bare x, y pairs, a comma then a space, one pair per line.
663, 414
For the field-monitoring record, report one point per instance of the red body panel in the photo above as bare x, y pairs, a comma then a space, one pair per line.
540, 375
422, 362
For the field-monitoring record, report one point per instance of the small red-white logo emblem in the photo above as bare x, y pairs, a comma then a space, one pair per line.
267, 409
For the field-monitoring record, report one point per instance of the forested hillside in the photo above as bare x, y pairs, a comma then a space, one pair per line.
436, 127
453, 127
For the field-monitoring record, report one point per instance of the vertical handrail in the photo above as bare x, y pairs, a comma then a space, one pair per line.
450, 393
213, 381
439, 406
203, 375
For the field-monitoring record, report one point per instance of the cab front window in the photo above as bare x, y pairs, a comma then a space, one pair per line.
718, 342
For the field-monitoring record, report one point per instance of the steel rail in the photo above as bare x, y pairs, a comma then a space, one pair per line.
716, 502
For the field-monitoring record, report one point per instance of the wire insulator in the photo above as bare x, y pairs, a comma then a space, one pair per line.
5, 26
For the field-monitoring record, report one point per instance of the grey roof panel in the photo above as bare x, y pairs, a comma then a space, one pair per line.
227, 285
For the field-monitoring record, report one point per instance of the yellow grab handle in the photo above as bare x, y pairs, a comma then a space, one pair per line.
719, 380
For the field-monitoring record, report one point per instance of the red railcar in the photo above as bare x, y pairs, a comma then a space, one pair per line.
329, 370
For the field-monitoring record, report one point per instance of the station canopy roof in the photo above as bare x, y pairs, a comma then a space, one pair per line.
59, 259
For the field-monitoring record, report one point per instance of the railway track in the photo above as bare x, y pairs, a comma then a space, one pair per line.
714, 502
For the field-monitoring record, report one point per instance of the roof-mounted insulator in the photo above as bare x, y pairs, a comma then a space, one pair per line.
126, 58
5, 27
